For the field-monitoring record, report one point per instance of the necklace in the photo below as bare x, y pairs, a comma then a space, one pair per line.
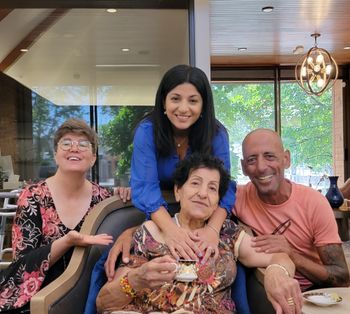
177, 220
181, 143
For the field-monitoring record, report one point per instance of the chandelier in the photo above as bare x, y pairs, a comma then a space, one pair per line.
316, 71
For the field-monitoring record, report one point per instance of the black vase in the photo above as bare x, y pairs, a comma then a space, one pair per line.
333, 195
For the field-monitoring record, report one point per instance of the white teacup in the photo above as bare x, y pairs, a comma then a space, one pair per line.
186, 270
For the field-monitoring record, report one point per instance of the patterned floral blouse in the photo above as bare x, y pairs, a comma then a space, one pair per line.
210, 293
35, 227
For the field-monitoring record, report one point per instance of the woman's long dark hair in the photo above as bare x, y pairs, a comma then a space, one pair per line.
203, 130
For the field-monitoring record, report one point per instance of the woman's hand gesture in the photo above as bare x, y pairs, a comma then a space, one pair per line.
76, 238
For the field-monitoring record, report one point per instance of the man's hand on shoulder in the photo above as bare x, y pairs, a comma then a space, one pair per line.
271, 244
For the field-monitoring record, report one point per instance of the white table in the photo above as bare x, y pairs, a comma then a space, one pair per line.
341, 308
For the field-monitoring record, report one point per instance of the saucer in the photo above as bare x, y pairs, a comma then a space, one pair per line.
186, 277
322, 298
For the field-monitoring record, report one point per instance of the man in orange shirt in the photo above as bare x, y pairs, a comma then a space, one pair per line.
288, 217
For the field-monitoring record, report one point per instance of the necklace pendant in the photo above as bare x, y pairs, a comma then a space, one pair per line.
178, 145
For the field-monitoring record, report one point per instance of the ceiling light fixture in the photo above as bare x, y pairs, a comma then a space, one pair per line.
267, 9
242, 49
347, 47
24, 50
316, 70
111, 10
125, 49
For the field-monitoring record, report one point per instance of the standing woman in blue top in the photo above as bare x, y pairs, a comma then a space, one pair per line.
182, 122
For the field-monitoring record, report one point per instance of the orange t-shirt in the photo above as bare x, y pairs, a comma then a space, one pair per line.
313, 222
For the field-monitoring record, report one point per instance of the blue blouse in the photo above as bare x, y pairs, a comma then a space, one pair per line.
151, 173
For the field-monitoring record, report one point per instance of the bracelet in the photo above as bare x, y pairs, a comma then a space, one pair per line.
280, 267
216, 231
126, 287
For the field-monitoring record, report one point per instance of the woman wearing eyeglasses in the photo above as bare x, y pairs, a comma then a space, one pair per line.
49, 216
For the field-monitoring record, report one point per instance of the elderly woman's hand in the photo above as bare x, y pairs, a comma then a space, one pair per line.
282, 291
153, 274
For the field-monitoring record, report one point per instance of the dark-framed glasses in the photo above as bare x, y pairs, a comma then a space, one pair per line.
281, 228
67, 144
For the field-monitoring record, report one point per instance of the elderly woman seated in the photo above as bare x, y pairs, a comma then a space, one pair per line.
152, 281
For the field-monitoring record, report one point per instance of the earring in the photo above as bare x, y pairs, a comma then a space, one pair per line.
165, 112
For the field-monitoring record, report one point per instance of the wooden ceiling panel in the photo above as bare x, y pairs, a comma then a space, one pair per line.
270, 38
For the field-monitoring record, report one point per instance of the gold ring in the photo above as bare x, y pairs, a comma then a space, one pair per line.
290, 301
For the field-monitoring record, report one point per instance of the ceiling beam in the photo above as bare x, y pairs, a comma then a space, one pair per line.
31, 38
4, 13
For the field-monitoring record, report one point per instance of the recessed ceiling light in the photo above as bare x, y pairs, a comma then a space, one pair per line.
24, 50
347, 48
125, 49
111, 10
242, 49
267, 9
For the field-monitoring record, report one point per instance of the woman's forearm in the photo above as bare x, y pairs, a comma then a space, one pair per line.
58, 248
162, 219
217, 218
283, 260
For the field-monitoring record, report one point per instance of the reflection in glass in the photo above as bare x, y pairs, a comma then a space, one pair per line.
84, 63
116, 130
306, 123
79, 56
243, 107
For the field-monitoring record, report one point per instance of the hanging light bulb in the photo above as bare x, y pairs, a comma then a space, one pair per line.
320, 82
319, 58
328, 69
303, 71
317, 70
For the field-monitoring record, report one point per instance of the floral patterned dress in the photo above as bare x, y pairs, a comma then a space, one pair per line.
210, 293
35, 227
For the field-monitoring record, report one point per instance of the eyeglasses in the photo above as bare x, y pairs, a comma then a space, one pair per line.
66, 144
281, 228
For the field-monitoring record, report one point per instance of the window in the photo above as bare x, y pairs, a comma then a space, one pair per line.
306, 122
90, 64
243, 107
306, 128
